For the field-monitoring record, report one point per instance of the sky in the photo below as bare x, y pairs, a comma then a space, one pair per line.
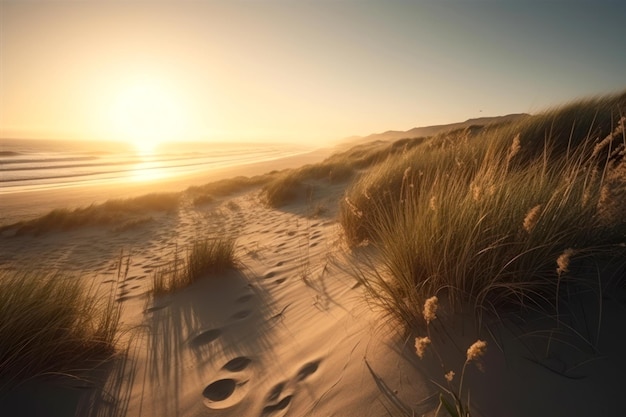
302, 71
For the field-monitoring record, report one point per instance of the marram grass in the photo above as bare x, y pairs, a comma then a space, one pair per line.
485, 219
205, 257
286, 186
51, 325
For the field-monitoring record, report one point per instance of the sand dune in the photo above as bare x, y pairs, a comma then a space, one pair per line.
289, 332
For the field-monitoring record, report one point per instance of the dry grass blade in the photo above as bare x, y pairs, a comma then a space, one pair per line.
51, 325
206, 257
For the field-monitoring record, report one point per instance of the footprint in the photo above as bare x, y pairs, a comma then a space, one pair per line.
205, 337
281, 405
280, 281
281, 263
224, 393
241, 314
155, 308
269, 274
237, 364
307, 370
275, 392
220, 390
244, 298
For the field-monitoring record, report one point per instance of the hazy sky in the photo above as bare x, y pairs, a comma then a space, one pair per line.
295, 70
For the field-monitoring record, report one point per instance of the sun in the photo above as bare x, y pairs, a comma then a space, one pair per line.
146, 114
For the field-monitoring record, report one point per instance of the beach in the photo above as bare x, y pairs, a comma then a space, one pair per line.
312, 208
286, 334
293, 327
27, 194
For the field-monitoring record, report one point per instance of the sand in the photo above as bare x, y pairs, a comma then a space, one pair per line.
289, 333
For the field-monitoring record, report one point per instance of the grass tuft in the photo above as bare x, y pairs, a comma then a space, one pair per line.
51, 325
207, 257
486, 218
283, 189
129, 211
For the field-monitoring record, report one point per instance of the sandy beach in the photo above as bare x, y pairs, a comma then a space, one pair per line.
21, 205
289, 332
312, 208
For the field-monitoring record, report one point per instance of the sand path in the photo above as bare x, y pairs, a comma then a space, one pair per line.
289, 332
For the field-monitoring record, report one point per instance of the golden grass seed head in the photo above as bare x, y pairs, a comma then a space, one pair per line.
405, 176
477, 350
421, 343
532, 217
514, 149
430, 309
449, 376
563, 261
476, 192
433, 203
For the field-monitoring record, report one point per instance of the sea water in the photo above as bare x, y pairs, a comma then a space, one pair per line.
51, 164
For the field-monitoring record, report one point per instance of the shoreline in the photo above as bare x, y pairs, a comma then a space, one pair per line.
242, 342
28, 204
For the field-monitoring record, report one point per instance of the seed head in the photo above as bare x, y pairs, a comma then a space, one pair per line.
532, 217
563, 261
449, 376
515, 148
430, 309
477, 350
433, 203
476, 192
407, 171
421, 343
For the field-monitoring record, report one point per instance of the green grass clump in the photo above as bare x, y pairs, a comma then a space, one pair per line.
494, 219
51, 326
207, 257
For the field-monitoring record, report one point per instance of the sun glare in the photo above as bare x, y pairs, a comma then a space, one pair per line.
145, 114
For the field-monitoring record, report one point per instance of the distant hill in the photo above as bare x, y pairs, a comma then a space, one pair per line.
417, 132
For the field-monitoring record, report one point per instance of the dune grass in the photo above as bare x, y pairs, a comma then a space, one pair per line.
52, 326
485, 219
205, 258
286, 186
207, 193
112, 212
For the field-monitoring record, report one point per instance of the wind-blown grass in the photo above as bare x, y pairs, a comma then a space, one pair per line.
206, 257
284, 187
485, 219
207, 193
51, 325
111, 212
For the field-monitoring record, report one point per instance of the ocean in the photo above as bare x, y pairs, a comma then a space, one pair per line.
28, 165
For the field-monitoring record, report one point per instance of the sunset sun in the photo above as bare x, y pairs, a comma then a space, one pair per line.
146, 114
